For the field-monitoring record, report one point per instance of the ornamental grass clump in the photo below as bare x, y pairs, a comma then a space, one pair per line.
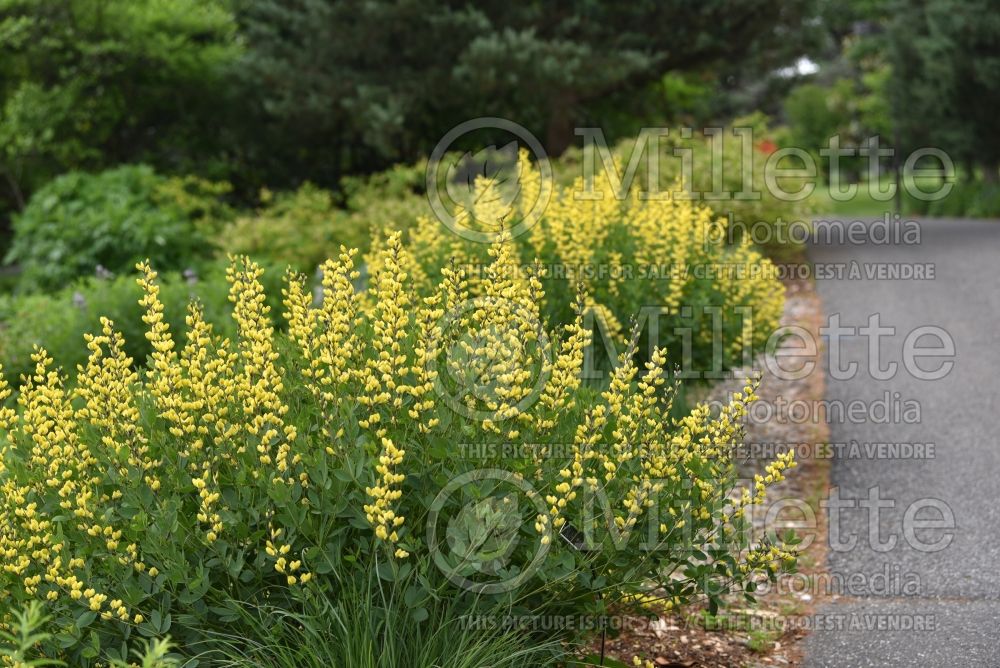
439, 442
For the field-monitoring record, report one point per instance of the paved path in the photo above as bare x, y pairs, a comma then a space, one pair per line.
955, 591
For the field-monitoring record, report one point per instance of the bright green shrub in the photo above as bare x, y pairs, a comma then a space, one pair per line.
816, 113
392, 199
87, 85
303, 227
267, 469
113, 219
399, 182
298, 228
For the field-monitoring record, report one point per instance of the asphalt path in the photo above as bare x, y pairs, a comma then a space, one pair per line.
914, 556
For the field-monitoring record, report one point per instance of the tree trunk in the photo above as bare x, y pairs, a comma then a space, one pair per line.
560, 131
991, 174
15, 190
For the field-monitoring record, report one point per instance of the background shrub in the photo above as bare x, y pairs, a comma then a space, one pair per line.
298, 228
392, 199
968, 199
114, 219
87, 85
303, 227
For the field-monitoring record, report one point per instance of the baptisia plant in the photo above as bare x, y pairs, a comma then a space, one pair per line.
440, 439
659, 256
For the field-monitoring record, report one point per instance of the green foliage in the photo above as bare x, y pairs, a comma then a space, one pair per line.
59, 320
152, 654
772, 209
228, 474
403, 184
873, 105
942, 88
113, 219
18, 641
815, 113
91, 83
686, 98
968, 198
405, 73
847, 96
945, 87
298, 228
302, 228
391, 199
232, 90
373, 623
762, 640
19, 644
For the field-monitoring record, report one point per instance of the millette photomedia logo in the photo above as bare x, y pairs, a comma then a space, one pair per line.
475, 531
479, 193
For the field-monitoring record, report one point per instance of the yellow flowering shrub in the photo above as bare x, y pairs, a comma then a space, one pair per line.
733, 162
663, 260
439, 437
